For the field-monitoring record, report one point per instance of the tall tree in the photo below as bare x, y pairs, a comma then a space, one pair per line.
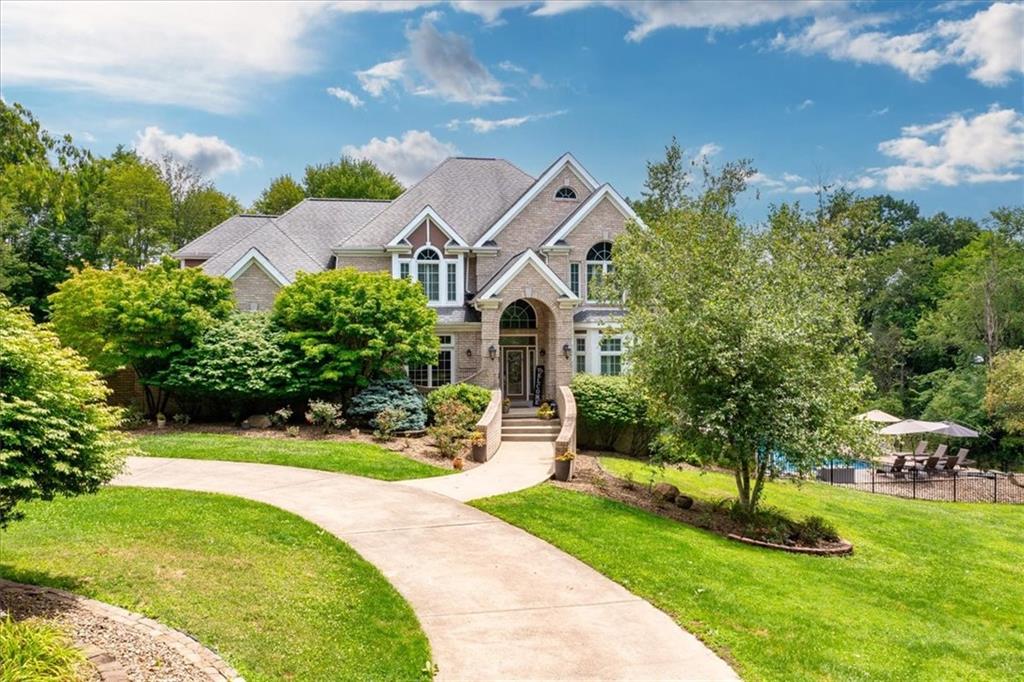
350, 179
135, 212
666, 185
746, 340
196, 205
143, 319
282, 193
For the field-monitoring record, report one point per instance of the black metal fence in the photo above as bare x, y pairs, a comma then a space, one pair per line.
952, 486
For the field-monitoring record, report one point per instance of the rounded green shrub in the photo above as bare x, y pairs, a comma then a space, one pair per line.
472, 396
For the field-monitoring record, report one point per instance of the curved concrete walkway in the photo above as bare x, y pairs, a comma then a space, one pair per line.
515, 466
494, 601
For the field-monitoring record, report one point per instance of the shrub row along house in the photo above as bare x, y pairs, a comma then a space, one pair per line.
509, 262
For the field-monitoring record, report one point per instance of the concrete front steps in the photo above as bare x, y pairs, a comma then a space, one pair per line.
523, 426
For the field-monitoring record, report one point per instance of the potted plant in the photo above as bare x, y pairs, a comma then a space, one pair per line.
545, 412
478, 441
563, 465
161, 420
506, 405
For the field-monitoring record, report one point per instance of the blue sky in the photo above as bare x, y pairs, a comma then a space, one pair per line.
922, 100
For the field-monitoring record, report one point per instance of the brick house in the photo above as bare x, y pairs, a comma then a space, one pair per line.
507, 260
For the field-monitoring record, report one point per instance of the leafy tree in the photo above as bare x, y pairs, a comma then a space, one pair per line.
1004, 395
57, 434
282, 193
134, 208
350, 179
746, 341
956, 395
980, 306
350, 326
942, 233
196, 205
666, 185
142, 319
240, 361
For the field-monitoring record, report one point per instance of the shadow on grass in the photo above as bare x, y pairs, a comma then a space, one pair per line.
41, 578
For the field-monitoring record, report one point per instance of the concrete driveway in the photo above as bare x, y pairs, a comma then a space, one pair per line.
496, 602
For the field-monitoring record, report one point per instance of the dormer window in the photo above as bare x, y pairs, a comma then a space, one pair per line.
439, 276
565, 193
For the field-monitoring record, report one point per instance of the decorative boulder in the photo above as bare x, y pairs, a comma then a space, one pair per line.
259, 421
665, 492
684, 501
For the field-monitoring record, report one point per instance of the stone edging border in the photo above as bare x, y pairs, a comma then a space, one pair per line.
212, 665
842, 550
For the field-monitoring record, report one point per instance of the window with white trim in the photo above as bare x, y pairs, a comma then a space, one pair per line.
565, 193
574, 278
610, 352
432, 376
599, 264
439, 276
581, 354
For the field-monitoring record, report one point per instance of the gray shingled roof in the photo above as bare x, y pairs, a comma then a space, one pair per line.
282, 252
469, 194
317, 225
457, 314
224, 235
600, 315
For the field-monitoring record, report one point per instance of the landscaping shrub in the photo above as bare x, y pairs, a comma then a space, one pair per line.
279, 418
476, 398
389, 393
608, 407
387, 421
453, 428
58, 436
32, 649
325, 415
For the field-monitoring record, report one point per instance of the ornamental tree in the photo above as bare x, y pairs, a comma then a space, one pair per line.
240, 361
57, 434
746, 341
1004, 397
348, 327
141, 319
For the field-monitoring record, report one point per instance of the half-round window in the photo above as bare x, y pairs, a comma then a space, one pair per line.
428, 254
565, 193
602, 251
519, 315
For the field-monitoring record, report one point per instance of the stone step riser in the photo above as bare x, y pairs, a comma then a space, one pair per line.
529, 438
531, 429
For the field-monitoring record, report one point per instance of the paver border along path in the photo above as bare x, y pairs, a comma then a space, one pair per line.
494, 601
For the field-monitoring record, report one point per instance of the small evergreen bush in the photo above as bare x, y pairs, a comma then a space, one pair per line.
389, 393
476, 398
325, 415
387, 422
608, 405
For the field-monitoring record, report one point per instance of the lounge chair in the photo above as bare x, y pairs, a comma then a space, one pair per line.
922, 445
958, 460
896, 469
932, 464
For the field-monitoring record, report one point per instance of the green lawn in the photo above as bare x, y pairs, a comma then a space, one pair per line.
277, 596
934, 591
361, 459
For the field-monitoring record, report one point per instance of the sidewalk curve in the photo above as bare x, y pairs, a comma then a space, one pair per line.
494, 601
515, 466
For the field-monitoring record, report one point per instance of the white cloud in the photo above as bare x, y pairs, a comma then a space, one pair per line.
879, 112
986, 148
345, 96
409, 158
488, 10
806, 104
653, 15
793, 177
208, 56
485, 125
208, 154
451, 70
844, 40
356, 6
378, 79
990, 41
708, 150
511, 67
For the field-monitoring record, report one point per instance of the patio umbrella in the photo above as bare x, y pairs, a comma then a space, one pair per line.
957, 431
908, 426
877, 416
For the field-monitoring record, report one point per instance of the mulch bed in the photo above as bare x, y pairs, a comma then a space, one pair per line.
121, 646
420, 448
591, 478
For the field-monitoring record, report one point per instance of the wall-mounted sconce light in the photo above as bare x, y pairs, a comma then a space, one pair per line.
566, 351
492, 352
542, 353
469, 352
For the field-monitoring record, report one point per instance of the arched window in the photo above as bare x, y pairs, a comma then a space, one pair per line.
428, 273
519, 315
599, 263
565, 193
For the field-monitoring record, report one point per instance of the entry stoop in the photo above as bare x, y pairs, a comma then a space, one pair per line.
522, 424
